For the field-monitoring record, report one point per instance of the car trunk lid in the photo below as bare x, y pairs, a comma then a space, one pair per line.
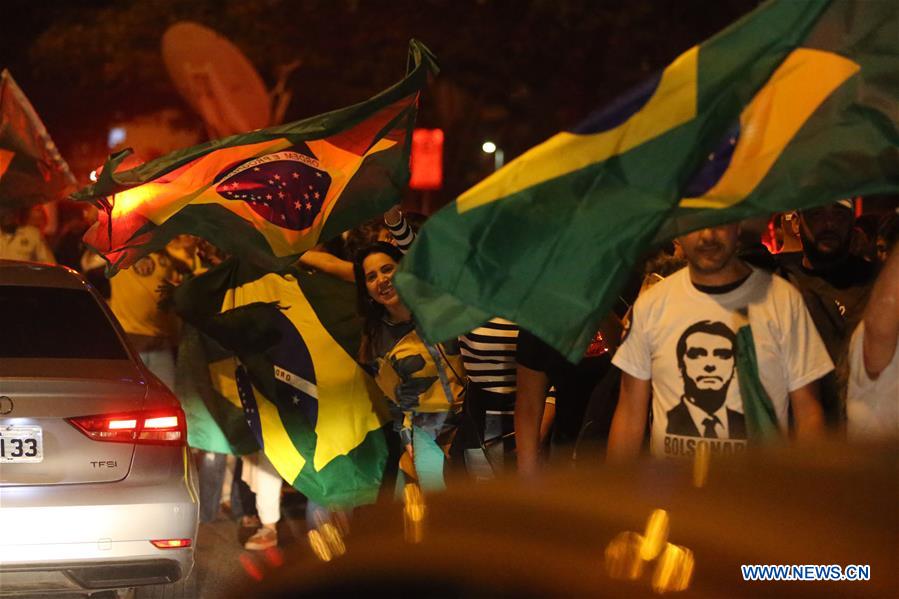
41, 446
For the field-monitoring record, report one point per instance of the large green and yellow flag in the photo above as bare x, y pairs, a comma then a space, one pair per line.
265, 195
313, 410
795, 105
206, 386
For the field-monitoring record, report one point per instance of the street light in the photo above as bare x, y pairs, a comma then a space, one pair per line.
490, 148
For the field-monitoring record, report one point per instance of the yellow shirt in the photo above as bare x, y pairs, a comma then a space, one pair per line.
411, 369
135, 299
27, 244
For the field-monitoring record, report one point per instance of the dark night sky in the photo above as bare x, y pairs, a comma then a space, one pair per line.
515, 71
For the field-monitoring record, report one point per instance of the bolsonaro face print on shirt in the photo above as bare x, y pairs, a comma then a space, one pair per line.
707, 364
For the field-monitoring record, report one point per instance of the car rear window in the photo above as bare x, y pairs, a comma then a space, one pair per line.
48, 322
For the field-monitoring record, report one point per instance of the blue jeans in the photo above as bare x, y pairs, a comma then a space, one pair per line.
429, 461
211, 470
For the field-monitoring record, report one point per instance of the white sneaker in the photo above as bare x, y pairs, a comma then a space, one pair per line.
264, 538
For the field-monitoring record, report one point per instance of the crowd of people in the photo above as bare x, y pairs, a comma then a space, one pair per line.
725, 341
719, 340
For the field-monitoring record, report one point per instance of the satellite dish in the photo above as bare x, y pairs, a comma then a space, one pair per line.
216, 79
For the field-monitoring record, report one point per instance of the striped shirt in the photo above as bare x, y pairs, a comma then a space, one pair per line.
402, 233
488, 353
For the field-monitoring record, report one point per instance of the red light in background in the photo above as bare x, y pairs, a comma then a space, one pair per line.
427, 159
769, 237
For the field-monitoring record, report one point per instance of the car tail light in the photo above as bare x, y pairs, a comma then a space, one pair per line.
158, 427
171, 543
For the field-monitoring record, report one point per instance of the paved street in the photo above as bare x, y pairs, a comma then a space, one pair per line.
222, 563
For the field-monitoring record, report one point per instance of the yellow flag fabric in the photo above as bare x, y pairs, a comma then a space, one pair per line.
314, 411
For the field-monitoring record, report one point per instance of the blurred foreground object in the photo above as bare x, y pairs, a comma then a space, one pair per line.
590, 532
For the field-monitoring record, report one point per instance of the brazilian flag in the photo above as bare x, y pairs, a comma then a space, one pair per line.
206, 386
265, 195
761, 417
311, 407
795, 105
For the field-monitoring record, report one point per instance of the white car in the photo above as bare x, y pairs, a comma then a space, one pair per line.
98, 493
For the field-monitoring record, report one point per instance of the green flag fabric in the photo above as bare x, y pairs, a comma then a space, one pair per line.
795, 105
31, 169
761, 419
313, 410
265, 195
207, 389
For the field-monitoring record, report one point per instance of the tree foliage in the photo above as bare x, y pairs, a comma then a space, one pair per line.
515, 71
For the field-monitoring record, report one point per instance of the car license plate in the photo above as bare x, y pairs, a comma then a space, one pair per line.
21, 444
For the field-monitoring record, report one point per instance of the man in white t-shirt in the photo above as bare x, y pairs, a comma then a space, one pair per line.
680, 352
872, 403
